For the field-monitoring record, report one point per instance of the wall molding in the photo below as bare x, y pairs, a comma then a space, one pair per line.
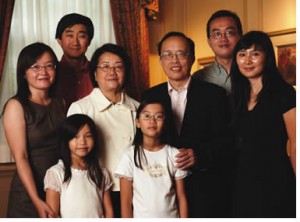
7, 169
282, 32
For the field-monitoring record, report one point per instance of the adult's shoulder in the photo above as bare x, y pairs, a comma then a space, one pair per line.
13, 101
198, 84
131, 102
86, 101
202, 73
158, 87
286, 96
155, 91
287, 88
14, 105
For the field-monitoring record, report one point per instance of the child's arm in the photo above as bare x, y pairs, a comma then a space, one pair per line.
107, 205
181, 196
126, 198
53, 200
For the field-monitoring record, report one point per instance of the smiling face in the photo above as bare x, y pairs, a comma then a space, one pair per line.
82, 143
110, 73
251, 62
177, 69
41, 75
74, 41
223, 47
151, 121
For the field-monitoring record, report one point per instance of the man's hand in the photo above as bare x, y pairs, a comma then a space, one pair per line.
185, 158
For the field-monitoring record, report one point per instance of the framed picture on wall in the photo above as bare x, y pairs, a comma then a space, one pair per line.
284, 43
287, 62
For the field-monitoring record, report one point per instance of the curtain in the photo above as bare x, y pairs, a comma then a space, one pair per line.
36, 20
6, 10
131, 31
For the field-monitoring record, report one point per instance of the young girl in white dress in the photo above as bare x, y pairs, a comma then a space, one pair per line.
151, 186
77, 186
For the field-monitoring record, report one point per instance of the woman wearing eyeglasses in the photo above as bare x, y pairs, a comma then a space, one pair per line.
31, 120
111, 108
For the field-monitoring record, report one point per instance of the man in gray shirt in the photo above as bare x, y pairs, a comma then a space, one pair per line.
223, 30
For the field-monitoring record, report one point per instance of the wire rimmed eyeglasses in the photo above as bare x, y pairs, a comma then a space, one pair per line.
107, 68
157, 117
38, 68
181, 55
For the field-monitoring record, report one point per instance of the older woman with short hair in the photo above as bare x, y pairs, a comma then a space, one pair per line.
110, 107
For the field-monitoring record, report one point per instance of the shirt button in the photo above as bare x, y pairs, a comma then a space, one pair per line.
127, 138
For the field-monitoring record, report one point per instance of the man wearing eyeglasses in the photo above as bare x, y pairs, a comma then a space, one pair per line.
223, 30
199, 113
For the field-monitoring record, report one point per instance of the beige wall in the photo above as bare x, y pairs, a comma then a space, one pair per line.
190, 17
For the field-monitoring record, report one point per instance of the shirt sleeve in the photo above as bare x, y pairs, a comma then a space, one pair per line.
53, 180
288, 98
179, 174
125, 166
107, 182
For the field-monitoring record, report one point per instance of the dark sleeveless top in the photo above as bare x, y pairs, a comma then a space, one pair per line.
42, 130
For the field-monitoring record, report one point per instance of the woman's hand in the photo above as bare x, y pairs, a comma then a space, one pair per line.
44, 210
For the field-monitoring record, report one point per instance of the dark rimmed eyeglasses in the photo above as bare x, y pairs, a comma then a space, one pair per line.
219, 34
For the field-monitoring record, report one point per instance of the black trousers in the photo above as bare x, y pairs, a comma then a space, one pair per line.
208, 195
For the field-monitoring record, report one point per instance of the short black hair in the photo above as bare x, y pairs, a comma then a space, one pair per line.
73, 19
224, 13
189, 41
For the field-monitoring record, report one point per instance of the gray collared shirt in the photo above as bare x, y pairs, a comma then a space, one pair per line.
216, 74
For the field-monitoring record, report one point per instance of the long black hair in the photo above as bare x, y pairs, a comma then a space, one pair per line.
271, 78
72, 125
165, 137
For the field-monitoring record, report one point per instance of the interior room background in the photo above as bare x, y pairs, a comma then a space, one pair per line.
36, 20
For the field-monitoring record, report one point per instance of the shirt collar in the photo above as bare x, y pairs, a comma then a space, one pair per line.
103, 103
219, 68
185, 87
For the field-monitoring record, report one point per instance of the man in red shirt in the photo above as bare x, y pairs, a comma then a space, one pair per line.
74, 34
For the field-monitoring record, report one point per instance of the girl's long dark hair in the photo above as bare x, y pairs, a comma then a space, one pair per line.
165, 137
72, 125
271, 78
